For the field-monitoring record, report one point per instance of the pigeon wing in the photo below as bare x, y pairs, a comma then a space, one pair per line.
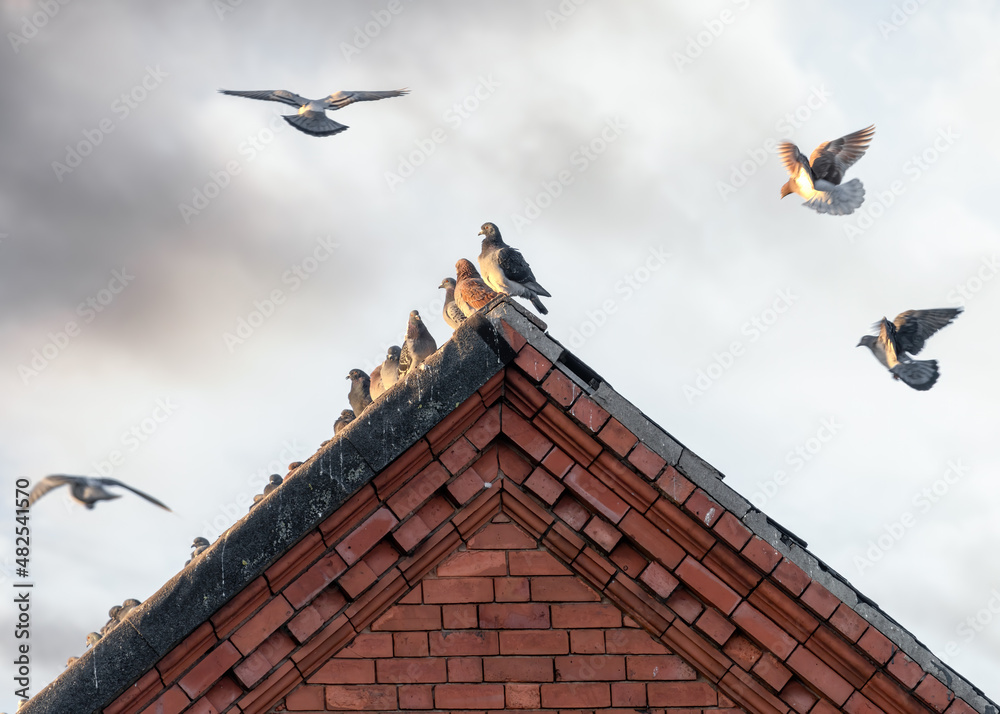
342, 99
47, 484
270, 95
913, 327
116, 482
832, 158
315, 123
887, 343
405, 358
793, 159
514, 266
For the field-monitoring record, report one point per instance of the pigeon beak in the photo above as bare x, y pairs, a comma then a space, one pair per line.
481, 233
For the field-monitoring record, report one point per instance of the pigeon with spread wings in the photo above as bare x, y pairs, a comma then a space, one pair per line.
86, 490
818, 178
311, 117
905, 336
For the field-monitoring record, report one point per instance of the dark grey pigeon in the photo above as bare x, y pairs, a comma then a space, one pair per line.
311, 117
199, 546
418, 345
272, 483
505, 270
905, 336
360, 395
85, 490
453, 315
818, 178
345, 418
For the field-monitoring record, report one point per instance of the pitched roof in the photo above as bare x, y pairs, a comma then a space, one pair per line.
507, 430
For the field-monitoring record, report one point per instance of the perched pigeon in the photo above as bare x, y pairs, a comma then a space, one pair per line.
375, 388
506, 271
390, 367
418, 345
127, 607
471, 293
360, 395
71, 660
112, 619
818, 179
85, 490
272, 483
311, 117
453, 314
345, 418
93, 638
199, 546
905, 336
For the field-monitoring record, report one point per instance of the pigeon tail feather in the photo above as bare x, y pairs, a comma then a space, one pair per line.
538, 305
314, 123
837, 200
919, 374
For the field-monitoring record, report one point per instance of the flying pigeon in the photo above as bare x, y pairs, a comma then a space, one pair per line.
418, 345
905, 336
453, 314
86, 490
199, 546
360, 395
311, 117
471, 293
506, 271
818, 179
345, 418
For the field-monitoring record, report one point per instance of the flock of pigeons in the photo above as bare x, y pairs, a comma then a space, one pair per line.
503, 270
818, 180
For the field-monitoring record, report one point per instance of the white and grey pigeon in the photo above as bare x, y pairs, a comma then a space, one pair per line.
505, 270
905, 336
311, 117
86, 490
418, 345
818, 178
453, 314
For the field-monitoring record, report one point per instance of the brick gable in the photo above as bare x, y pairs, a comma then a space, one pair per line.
539, 546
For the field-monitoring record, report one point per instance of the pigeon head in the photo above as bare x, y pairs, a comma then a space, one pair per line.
93, 638
356, 375
490, 232
448, 283
868, 341
199, 541
131, 602
347, 414
465, 270
113, 612
413, 325
275, 480
393, 353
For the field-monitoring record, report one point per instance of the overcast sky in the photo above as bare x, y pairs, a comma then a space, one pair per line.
185, 281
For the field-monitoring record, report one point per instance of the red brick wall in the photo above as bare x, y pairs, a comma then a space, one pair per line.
504, 625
